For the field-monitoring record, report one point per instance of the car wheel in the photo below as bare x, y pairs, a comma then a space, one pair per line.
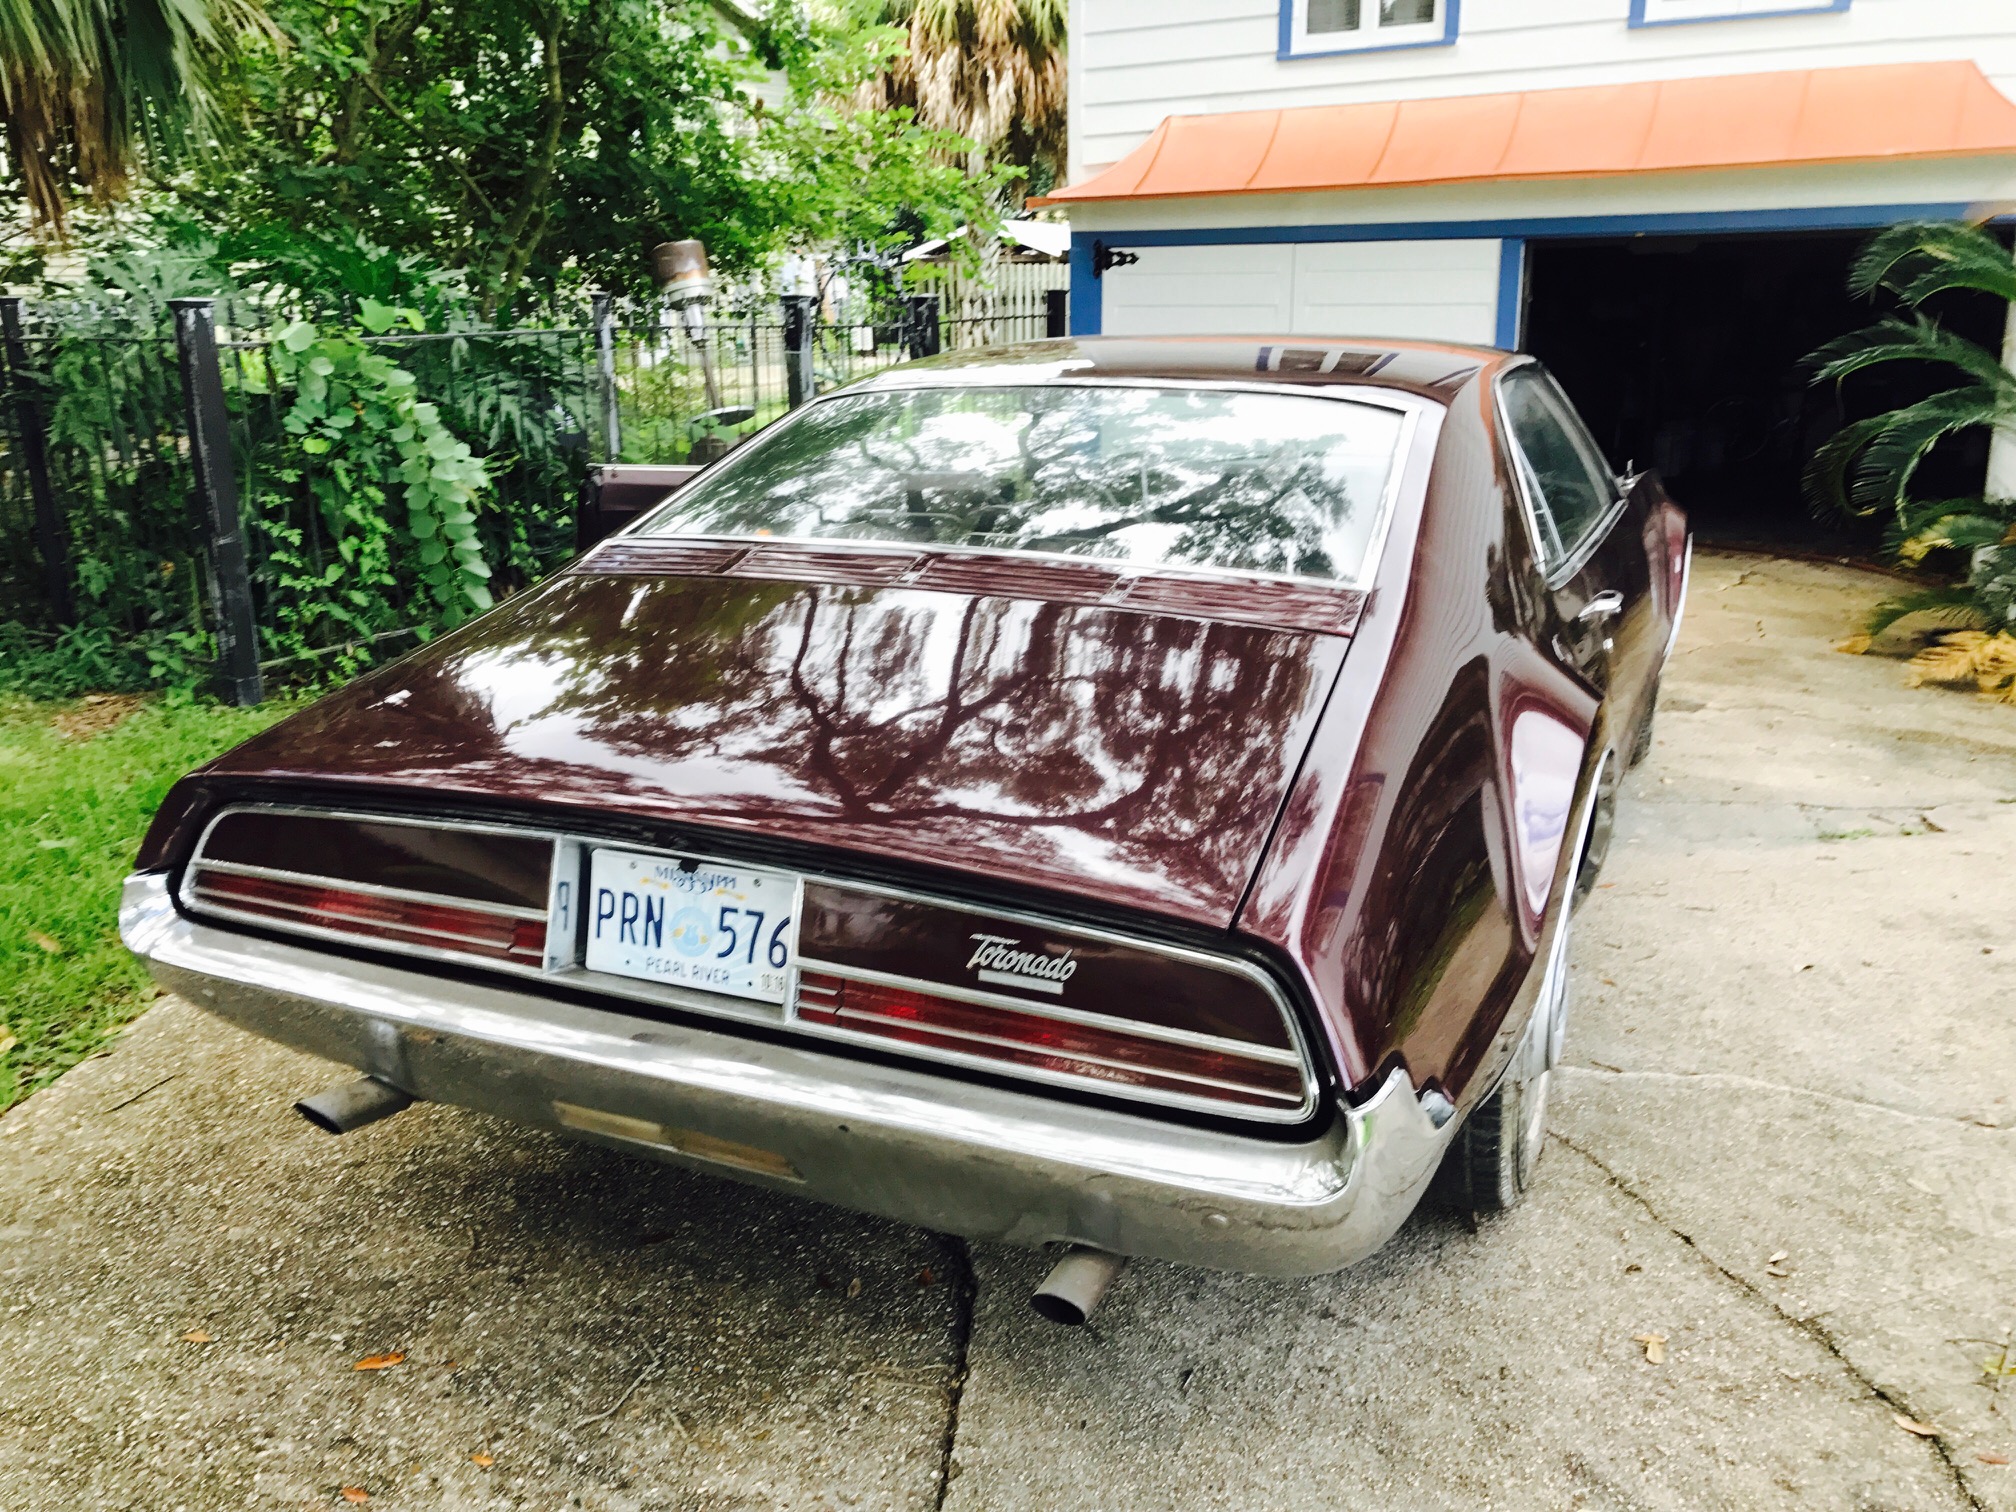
1492, 1160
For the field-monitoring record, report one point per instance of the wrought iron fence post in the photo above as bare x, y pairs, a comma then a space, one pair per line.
920, 324
801, 325
52, 539
1056, 313
217, 494
605, 363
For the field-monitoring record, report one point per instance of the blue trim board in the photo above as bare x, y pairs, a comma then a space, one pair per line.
1451, 24
1084, 309
1830, 7
1511, 292
1086, 312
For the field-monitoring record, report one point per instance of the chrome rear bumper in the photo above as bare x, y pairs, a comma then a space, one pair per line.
981, 1161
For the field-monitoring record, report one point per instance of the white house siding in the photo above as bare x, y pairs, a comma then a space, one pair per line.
1435, 290
1134, 62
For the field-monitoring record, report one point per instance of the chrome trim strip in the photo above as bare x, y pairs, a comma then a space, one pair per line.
1680, 603
1065, 1077
371, 889
353, 936
1057, 1011
304, 915
988, 1161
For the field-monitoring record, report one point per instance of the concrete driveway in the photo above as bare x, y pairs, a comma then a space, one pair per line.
1786, 1147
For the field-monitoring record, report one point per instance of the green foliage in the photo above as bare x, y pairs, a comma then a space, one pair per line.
1868, 468
526, 145
362, 433
74, 805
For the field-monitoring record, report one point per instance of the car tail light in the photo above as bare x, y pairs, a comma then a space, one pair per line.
412, 887
1034, 1041
377, 916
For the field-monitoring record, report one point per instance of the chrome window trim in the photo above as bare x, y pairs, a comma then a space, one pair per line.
1409, 407
574, 975
1555, 571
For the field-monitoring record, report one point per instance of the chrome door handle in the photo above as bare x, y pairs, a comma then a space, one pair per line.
1601, 607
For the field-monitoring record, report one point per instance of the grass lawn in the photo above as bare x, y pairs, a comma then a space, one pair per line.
79, 780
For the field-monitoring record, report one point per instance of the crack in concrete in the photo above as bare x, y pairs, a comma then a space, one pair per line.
1758, 1084
965, 1292
1807, 1326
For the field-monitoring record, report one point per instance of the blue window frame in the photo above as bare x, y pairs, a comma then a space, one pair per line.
1690, 12
1324, 28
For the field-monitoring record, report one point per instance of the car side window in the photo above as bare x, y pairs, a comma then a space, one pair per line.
1571, 485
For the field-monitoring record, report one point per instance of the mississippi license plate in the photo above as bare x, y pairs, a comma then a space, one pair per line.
691, 923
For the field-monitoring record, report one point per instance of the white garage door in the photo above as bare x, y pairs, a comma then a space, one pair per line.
1435, 290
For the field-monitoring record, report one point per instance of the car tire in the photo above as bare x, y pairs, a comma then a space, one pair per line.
1641, 743
1493, 1158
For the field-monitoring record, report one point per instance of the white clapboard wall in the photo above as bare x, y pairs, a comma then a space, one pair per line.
1434, 290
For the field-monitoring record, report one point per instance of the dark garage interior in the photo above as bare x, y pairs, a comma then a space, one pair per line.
1685, 355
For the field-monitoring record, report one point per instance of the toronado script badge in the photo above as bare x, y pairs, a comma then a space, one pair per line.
1002, 965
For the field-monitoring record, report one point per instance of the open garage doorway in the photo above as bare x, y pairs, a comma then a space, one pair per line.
1685, 355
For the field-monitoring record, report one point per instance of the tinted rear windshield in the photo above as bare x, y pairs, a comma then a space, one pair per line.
1279, 483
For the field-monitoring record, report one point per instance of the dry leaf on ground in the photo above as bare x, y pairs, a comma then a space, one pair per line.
45, 942
1855, 645
7, 1042
355, 1494
1912, 1425
482, 1461
854, 1288
379, 1361
199, 1336
1780, 1258
1655, 1346
1991, 1459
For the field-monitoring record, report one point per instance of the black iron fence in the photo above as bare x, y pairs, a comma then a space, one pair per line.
155, 495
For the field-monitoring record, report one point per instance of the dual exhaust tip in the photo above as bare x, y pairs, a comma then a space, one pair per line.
1069, 1294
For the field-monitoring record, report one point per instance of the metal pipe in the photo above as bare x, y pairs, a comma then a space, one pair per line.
353, 1105
1075, 1284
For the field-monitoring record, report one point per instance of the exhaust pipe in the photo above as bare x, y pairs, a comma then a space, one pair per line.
1075, 1284
353, 1105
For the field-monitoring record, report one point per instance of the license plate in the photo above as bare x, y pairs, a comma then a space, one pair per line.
691, 923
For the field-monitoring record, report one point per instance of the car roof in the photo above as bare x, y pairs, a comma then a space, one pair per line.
1432, 368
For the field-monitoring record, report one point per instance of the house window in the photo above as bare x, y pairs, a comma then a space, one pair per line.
1680, 12
1316, 27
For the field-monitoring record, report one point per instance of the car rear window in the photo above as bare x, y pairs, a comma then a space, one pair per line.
1148, 476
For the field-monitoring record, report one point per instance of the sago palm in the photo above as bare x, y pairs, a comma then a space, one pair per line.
84, 82
1867, 469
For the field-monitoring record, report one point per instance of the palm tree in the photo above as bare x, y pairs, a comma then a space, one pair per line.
83, 83
992, 71
1868, 467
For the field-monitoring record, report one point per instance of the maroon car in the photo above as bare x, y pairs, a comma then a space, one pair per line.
1124, 794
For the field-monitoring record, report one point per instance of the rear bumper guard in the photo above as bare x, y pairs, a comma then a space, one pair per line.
986, 1162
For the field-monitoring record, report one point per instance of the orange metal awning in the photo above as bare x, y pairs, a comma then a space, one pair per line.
1816, 115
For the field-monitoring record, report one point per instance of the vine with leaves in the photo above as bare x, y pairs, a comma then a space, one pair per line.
396, 493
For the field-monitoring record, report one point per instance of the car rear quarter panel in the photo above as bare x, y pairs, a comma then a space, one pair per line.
1437, 784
